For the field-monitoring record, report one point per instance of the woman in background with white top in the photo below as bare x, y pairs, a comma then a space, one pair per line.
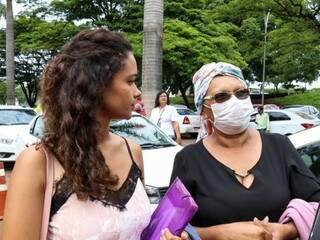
166, 116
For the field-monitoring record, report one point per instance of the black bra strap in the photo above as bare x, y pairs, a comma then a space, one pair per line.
129, 150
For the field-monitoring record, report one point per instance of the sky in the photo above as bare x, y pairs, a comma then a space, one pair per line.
18, 7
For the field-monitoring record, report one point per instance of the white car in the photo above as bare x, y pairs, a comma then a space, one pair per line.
158, 149
287, 122
14, 121
307, 143
308, 109
189, 121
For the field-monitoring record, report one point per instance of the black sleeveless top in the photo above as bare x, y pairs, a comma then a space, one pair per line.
116, 199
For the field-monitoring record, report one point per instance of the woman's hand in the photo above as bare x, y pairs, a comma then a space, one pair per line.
279, 231
167, 235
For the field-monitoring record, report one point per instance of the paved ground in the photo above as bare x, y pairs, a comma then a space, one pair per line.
186, 140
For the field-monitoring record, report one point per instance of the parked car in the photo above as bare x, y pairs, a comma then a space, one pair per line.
307, 143
270, 107
288, 122
158, 149
308, 109
266, 106
189, 121
14, 121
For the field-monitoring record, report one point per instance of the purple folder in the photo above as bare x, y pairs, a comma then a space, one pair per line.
174, 211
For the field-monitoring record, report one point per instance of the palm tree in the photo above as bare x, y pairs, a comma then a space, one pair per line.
152, 51
10, 54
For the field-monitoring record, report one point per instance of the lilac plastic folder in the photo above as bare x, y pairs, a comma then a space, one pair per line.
174, 211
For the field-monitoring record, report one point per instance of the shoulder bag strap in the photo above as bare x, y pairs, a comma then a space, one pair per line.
47, 196
160, 115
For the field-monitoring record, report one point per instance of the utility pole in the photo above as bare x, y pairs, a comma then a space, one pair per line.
264, 56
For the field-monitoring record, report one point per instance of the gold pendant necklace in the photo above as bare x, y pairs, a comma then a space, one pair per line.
242, 175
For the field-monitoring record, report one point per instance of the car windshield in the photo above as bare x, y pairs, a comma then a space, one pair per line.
141, 131
185, 111
137, 128
16, 116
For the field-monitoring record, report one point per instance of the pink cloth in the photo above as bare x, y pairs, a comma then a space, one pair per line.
90, 220
302, 213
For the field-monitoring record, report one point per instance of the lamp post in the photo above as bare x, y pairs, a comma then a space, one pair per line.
264, 56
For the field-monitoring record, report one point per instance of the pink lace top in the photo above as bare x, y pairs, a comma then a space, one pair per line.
92, 220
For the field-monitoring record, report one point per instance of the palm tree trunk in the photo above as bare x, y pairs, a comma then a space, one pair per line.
152, 51
10, 54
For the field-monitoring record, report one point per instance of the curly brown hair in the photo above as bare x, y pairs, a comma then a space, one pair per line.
71, 88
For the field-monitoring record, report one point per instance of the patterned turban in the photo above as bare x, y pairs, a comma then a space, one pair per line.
203, 77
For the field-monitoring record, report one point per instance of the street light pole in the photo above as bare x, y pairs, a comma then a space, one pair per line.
264, 56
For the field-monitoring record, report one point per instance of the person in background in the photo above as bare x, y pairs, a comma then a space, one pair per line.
165, 116
139, 106
262, 120
241, 179
98, 190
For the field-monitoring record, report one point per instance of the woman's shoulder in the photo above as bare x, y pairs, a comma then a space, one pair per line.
31, 163
170, 107
274, 139
191, 151
32, 156
132, 146
154, 109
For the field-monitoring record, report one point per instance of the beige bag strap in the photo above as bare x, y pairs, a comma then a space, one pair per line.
47, 196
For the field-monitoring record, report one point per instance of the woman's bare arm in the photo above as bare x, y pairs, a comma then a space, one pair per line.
176, 129
24, 202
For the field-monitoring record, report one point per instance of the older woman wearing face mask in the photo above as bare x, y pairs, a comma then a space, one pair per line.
242, 180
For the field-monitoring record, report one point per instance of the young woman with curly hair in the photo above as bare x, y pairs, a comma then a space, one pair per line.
98, 176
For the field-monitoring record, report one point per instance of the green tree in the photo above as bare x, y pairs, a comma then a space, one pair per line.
37, 41
124, 15
191, 37
293, 37
186, 48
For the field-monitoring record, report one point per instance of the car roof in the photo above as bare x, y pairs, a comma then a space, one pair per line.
179, 106
305, 137
14, 107
133, 114
297, 106
280, 110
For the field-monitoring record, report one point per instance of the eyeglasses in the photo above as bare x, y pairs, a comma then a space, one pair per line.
224, 96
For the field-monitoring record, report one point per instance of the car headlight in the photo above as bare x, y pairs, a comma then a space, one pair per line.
5, 140
153, 194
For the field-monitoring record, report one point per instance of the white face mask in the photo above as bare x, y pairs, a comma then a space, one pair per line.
232, 116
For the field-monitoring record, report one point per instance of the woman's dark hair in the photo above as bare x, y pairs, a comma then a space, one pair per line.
72, 91
157, 102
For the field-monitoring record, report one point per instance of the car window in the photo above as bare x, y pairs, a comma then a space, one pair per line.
310, 154
304, 115
278, 116
313, 110
253, 117
38, 128
141, 131
16, 116
185, 111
